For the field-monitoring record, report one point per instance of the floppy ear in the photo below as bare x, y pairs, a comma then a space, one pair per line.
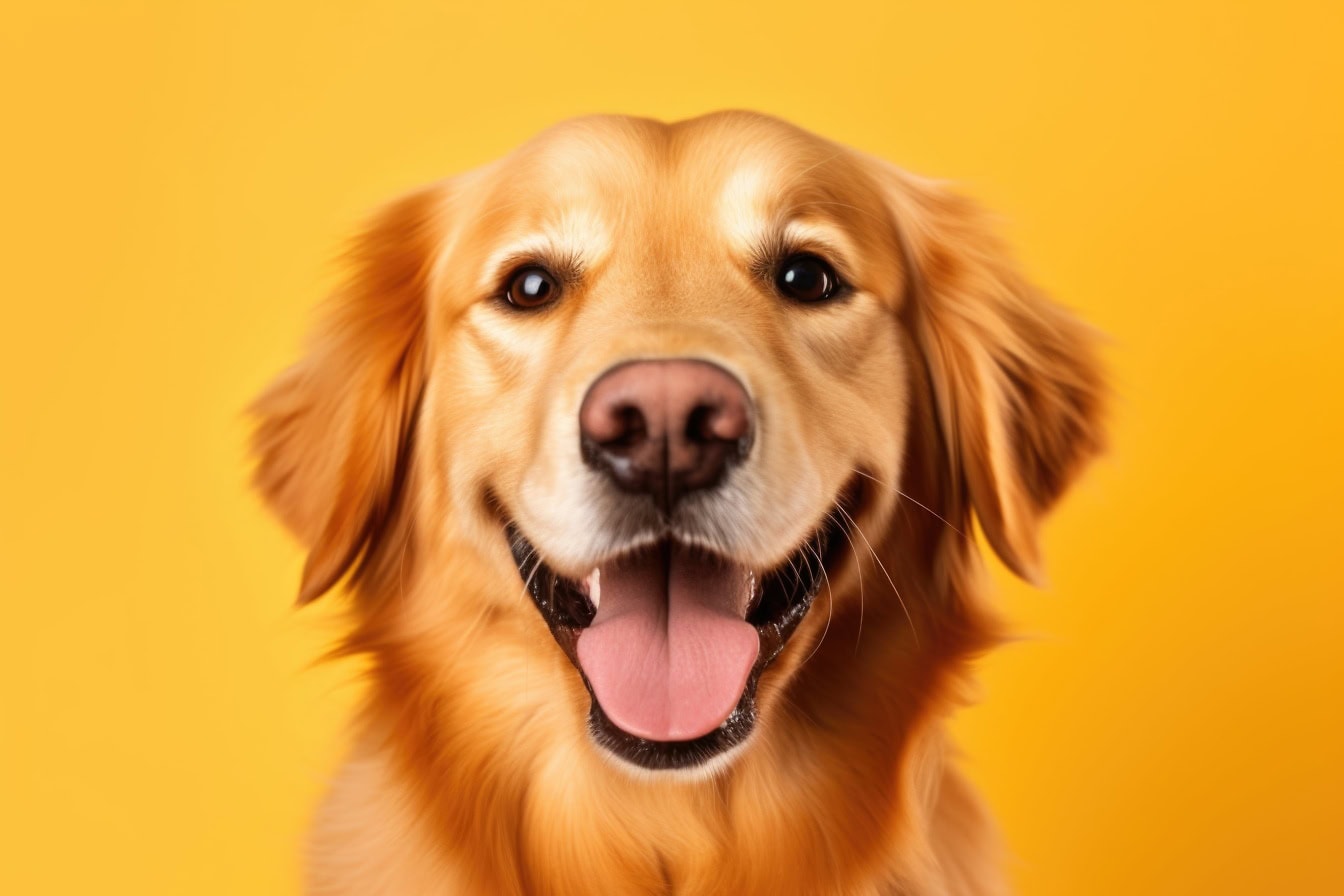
333, 436
1015, 379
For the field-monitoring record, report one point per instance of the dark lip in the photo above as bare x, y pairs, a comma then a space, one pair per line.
786, 594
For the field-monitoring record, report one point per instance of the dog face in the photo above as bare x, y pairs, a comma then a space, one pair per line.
668, 386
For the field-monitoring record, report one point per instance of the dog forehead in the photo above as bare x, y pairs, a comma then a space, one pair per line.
740, 159
638, 192
597, 156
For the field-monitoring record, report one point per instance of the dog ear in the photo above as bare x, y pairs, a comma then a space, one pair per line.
1015, 378
333, 432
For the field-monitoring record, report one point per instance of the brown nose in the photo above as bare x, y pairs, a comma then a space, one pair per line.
665, 428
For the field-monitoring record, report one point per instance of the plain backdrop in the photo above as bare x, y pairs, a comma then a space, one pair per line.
177, 179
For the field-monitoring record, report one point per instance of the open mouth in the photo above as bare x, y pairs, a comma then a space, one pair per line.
671, 639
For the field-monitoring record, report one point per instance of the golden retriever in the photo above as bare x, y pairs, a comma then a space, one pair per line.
650, 453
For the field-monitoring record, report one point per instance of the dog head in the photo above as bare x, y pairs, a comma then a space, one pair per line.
666, 385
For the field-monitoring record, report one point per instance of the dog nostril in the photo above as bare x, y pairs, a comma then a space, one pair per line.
724, 422
631, 427
700, 423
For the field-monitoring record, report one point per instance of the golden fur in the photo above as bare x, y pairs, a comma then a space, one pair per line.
426, 412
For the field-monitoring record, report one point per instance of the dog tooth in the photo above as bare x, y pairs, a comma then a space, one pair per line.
593, 585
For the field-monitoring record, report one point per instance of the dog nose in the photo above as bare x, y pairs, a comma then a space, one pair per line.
665, 428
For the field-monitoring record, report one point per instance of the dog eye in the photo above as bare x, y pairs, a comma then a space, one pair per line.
807, 278
532, 287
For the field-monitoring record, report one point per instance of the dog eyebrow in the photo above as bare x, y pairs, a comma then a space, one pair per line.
567, 262
771, 245
751, 206
821, 235
566, 244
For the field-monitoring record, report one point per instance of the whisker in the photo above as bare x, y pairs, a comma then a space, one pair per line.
858, 569
845, 205
797, 575
527, 583
797, 178
882, 566
830, 602
914, 501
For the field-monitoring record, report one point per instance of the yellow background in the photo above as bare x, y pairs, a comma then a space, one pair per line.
177, 179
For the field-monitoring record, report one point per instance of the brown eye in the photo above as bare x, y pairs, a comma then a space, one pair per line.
532, 287
806, 278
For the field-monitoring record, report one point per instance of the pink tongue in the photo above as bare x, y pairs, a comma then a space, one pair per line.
669, 652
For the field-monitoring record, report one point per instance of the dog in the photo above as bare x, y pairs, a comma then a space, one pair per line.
653, 456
